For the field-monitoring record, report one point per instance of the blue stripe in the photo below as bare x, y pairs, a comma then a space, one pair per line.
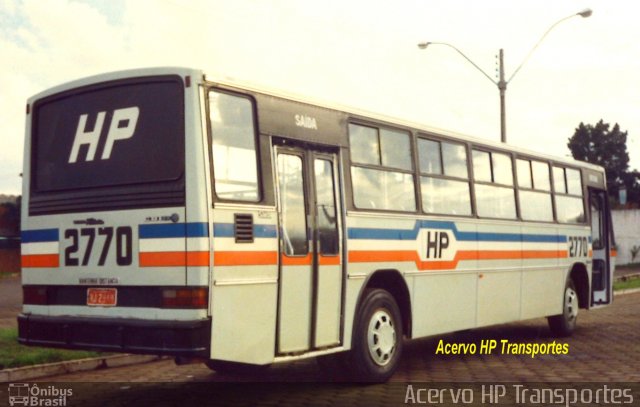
412, 234
226, 230
40, 235
166, 230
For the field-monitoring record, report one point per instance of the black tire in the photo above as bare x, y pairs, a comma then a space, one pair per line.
234, 368
564, 324
377, 338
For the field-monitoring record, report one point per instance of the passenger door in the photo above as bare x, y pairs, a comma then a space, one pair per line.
602, 268
311, 270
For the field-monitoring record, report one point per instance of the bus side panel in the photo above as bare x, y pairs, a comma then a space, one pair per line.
198, 190
499, 273
435, 288
353, 290
376, 243
245, 288
433, 312
542, 274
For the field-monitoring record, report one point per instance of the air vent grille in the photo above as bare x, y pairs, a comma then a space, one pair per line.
243, 227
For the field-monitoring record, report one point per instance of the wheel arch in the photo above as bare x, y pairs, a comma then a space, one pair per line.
392, 281
580, 278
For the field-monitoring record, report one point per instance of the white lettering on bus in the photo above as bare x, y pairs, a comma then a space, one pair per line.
128, 115
83, 137
306, 121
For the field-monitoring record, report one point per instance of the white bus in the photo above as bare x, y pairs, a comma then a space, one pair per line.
168, 213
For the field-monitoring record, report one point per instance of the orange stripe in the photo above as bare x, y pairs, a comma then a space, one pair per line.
364, 256
329, 260
174, 259
296, 261
448, 264
306, 260
544, 254
245, 258
198, 259
162, 259
521, 254
267, 259
613, 253
40, 260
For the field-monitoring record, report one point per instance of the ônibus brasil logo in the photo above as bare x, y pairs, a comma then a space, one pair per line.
25, 394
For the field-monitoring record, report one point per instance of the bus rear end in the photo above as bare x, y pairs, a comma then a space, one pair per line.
114, 256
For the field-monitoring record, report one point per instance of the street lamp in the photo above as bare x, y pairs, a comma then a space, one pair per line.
502, 83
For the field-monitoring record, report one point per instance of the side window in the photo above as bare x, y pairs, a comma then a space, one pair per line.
540, 172
381, 169
574, 182
481, 166
495, 193
233, 134
568, 195
559, 181
534, 190
444, 177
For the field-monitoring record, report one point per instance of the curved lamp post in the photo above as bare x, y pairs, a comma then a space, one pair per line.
502, 83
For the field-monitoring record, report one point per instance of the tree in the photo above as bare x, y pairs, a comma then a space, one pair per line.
9, 219
607, 148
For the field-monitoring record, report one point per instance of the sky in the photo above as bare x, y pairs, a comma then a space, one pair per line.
360, 53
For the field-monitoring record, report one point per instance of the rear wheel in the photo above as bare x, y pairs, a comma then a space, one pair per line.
565, 323
377, 341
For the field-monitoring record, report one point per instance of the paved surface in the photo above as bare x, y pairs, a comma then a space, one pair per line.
605, 349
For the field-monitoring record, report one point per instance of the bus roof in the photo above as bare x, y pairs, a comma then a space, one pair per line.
198, 75
363, 114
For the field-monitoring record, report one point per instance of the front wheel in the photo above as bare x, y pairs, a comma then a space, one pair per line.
377, 341
565, 323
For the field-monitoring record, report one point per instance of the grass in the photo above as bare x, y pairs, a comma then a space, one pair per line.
12, 354
625, 285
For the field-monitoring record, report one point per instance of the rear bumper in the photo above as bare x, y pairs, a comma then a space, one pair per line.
174, 338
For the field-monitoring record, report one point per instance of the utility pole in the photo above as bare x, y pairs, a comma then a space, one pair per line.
502, 86
502, 83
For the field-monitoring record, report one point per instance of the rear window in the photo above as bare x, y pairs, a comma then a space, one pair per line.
116, 135
122, 138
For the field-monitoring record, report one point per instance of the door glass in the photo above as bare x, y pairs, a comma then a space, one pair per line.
596, 222
294, 219
326, 207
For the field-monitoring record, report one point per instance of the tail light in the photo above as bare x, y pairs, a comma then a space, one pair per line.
34, 295
194, 297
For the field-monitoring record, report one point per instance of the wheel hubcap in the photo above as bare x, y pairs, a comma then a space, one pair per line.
381, 337
571, 304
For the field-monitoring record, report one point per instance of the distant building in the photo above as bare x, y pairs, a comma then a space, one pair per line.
626, 227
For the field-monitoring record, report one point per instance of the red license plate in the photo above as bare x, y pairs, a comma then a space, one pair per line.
103, 297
